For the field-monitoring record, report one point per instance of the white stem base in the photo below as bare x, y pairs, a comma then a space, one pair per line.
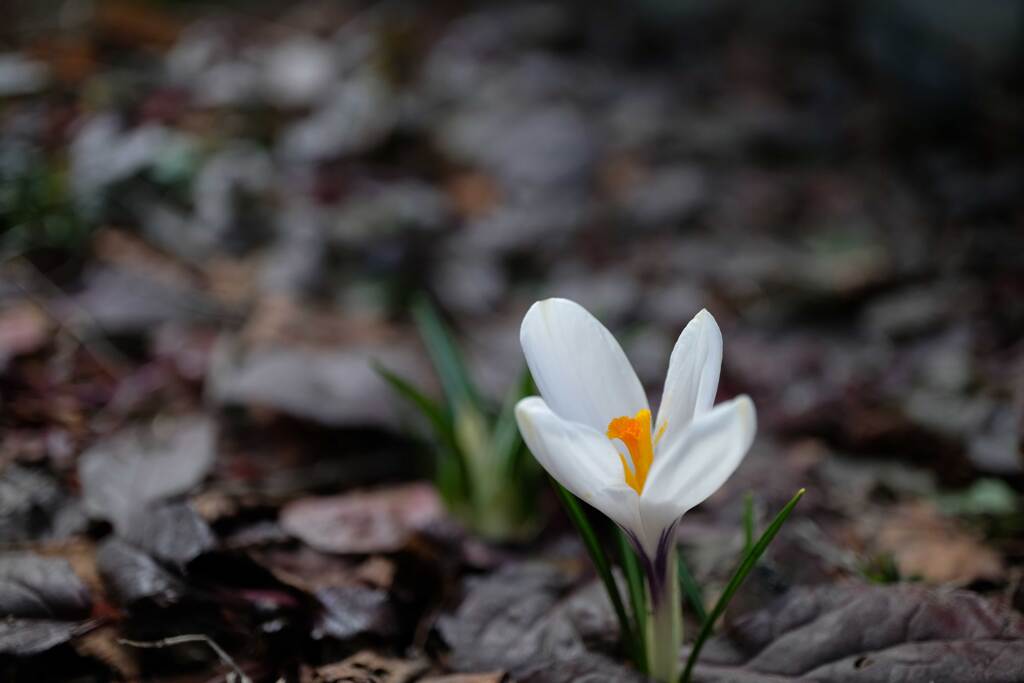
665, 626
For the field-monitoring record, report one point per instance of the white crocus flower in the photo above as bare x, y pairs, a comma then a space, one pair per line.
591, 429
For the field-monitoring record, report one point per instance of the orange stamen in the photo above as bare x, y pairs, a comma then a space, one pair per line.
635, 432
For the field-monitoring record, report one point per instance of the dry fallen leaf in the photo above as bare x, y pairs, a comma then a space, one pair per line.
938, 549
489, 677
43, 602
23, 329
376, 521
104, 645
368, 667
474, 194
854, 633
35, 586
533, 621
137, 467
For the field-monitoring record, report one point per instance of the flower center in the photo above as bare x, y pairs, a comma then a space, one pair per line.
635, 432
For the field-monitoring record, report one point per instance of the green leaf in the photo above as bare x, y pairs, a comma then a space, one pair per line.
450, 473
601, 563
473, 439
439, 420
881, 569
739, 576
748, 522
691, 589
506, 443
993, 497
637, 596
450, 479
444, 354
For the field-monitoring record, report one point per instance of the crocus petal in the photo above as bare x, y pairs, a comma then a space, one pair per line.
692, 379
580, 369
579, 458
701, 461
624, 505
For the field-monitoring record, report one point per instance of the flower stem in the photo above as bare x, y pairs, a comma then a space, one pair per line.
664, 622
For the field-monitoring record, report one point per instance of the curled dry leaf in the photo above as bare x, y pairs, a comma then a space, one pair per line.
870, 634
376, 521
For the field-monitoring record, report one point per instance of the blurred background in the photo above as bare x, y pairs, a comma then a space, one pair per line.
219, 190
222, 211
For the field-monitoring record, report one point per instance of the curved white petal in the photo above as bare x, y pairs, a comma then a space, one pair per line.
625, 511
580, 369
635, 517
702, 460
692, 379
579, 458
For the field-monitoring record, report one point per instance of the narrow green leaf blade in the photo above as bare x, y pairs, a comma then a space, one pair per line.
506, 442
444, 354
428, 407
450, 479
602, 565
691, 589
637, 596
748, 522
450, 475
739, 576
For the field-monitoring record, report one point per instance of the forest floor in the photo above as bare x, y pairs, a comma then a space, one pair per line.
214, 220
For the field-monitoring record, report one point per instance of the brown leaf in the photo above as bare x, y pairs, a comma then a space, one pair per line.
870, 634
367, 667
489, 677
104, 645
474, 194
136, 24
938, 549
363, 522
310, 570
23, 329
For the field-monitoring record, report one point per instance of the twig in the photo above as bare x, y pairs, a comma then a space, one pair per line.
237, 674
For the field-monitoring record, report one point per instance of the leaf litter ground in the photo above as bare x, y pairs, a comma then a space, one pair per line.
242, 205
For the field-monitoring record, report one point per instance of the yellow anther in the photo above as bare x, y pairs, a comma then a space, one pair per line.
635, 432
